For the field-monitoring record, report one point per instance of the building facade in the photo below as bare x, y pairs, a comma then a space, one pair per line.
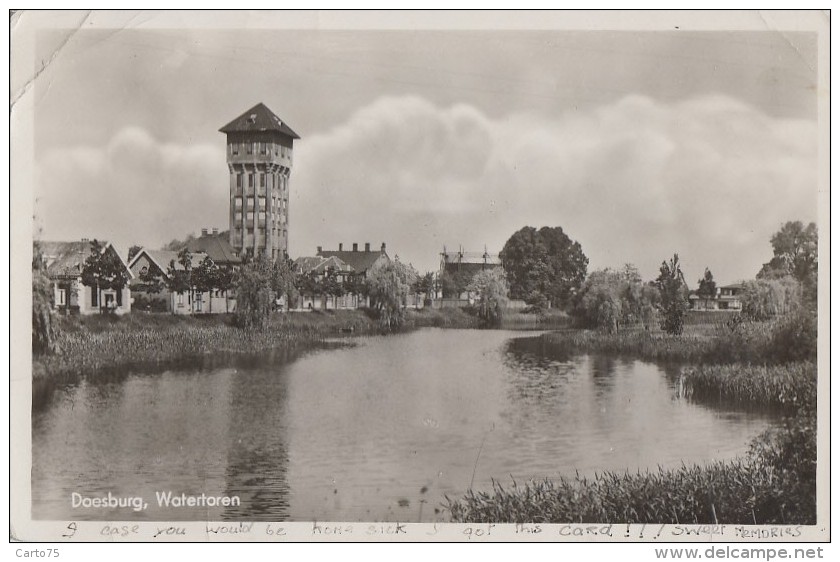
259, 158
727, 297
64, 262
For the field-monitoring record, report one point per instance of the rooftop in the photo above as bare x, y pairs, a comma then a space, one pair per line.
259, 118
216, 246
360, 261
471, 257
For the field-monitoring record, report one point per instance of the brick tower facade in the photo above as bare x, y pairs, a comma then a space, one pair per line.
259, 158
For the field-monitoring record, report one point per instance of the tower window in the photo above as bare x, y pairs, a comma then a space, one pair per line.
250, 215
239, 180
237, 203
263, 149
250, 180
250, 147
237, 216
262, 180
262, 202
250, 203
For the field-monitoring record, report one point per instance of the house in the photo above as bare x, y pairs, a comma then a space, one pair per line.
727, 297
346, 265
468, 263
157, 263
64, 262
217, 246
362, 261
463, 266
318, 268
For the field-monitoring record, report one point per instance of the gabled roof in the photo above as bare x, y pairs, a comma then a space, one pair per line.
217, 247
259, 118
359, 261
66, 259
318, 264
162, 259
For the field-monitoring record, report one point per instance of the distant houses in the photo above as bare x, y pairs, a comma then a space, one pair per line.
468, 263
726, 297
64, 262
457, 268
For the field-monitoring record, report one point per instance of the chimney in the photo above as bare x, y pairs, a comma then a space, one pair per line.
355, 246
367, 246
383, 247
319, 249
215, 231
203, 232
340, 247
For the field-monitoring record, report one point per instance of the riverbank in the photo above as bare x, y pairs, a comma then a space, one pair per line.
145, 342
792, 338
769, 364
774, 484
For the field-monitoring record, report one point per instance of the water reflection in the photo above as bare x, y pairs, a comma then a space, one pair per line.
381, 430
257, 457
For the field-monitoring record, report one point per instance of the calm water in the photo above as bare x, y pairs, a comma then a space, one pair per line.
379, 430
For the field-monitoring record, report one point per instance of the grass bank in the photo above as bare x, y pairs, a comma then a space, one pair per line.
792, 338
140, 341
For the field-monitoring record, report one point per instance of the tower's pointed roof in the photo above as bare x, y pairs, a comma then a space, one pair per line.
259, 118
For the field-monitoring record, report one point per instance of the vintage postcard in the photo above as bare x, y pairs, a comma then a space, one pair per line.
420, 276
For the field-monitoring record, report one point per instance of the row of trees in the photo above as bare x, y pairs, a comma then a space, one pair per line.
546, 268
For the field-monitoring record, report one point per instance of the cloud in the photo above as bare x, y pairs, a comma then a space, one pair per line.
133, 190
633, 181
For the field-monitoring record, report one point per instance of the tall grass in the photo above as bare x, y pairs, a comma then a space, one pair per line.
745, 492
93, 344
142, 341
788, 386
792, 338
774, 484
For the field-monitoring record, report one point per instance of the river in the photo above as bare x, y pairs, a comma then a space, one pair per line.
367, 429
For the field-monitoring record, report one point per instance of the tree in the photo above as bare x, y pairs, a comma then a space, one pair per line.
795, 254
453, 283
205, 278
180, 279
133, 251
44, 327
674, 296
425, 285
609, 299
707, 288
388, 285
103, 269
544, 262
260, 283
765, 298
176, 245
492, 289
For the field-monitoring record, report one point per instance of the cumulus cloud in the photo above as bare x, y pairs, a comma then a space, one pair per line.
633, 181
133, 190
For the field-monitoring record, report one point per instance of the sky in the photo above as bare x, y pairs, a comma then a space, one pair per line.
638, 144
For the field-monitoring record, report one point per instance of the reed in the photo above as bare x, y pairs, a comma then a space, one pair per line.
774, 484
787, 386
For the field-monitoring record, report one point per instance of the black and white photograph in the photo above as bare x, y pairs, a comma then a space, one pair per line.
419, 276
